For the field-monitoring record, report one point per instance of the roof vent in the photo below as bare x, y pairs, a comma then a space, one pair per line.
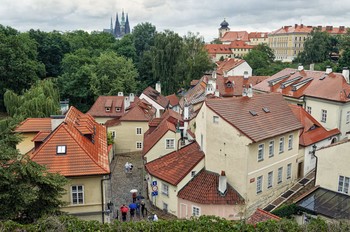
266, 110
300, 84
252, 112
323, 77
328, 70
289, 82
276, 80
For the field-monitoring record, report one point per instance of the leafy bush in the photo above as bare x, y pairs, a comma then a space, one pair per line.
286, 211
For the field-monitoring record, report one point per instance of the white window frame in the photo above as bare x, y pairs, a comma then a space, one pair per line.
280, 175
196, 211
281, 145
290, 142
113, 134
61, 149
117, 109
271, 148
323, 115
165, 189
309, 109
259, 184
343, 184
216, 119
289, 171
261, 152
270, 179
347, 117
76, 192
165, 207
139, 145
193, 173
108, 109
168, 144
139, 130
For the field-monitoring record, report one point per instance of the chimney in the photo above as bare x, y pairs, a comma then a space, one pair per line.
132, 97
120, 94
341, 28
300, 67
312, 67
186, 111
217, 93
158, 87
244, 91
250, 91
346, 74
222, 183
328, 70
225, 74
126, 102
245, 75
56, 120
213, 75
295, 25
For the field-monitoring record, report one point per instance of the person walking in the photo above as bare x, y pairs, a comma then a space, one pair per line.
143, 207
134, 197
124, 209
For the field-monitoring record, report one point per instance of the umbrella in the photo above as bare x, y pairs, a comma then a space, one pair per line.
133, 206
133, 190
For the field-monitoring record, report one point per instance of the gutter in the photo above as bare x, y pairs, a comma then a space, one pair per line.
102, 197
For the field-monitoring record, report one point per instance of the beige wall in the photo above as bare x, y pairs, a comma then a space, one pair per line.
256, 41
26, 144
159, 149
240, 52
126, 137
333, 162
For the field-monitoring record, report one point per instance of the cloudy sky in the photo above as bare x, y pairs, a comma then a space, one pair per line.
181, 16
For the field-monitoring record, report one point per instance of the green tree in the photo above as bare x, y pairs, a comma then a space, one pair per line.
216, 41
261, 59
125, 47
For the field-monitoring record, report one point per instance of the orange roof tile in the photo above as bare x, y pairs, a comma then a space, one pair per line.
239, 112
34, 125
313, 131
228, 64
41, 136
203, 189
195, 92
317, 84
261, 215
240, 44
257, 35
218, 49
85, 154
98, 109
308, 29
173, 100
173, 167
156, 96
141, 111
235, 35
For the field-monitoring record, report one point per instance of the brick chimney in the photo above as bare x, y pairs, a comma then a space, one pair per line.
222, 183
245, 75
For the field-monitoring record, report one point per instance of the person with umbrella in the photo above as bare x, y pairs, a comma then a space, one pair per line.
124, 209
133, 195
132, 207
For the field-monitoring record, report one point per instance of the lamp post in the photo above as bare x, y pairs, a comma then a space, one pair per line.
313, 152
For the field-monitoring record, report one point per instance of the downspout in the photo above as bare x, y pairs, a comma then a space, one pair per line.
102, 197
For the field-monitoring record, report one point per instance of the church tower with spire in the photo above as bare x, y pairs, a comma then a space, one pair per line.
127, 26
120, 28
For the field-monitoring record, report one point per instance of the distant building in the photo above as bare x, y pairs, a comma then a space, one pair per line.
120, 28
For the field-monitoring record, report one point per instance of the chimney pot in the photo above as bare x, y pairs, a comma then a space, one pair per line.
222, 183
346, 74
300, 67
328, 70
158, 87
120, 94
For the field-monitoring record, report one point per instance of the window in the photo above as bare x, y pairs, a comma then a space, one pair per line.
261, 152
279, 177
112, 134
117, 109
61, 149
259, 184
169, 143
165, 189
77, 194
138, 130
215, 119
269, 179
290, 142
324, 116
165, 207
138, 145
343, 185
308, 109
289, 171
108, 109
196, 211
193, 173
348, 117
281, 148
271, 148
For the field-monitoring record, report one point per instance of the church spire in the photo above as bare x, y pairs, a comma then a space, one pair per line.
117, 27
127, 26
111, 28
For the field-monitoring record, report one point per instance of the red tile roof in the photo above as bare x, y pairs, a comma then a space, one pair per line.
99, 107
228, 64
261, 215
195, 92
257, 35
203, 189
240, 44
331, 87
41, 136
112, 122
308, 29
235, 35
85, 154
238, 112
156, 96
173, 100
173, 167
313, 131
141, 111
34, 125
218, 49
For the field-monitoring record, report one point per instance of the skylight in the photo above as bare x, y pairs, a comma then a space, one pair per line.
266, 110
252, 112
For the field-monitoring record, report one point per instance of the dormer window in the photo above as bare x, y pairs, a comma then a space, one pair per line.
117, 109
108, 109
61, 149
228, 84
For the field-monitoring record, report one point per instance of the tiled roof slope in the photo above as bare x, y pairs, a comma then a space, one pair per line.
156, 96
203, 189
235, 35
261, 215
308, 29
168, 122
98, 109
240, 44
218, 48
313, 131
330, 87
173, 100
141, 111
83, 156
196, 92
34, 125
257, 35
228, 64
173, 167
238, 112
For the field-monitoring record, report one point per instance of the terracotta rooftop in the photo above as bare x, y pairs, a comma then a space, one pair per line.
313, 131
173, 100
141, 111
261, 215
240, 44
203, 189
85, 147
308, 29
235, 35
196, 92
228, 64
249, 116
34, 125
98, 109
218, 48
257, 35
156, 96
173, 167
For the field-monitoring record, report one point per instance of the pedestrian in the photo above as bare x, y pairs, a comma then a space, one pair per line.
127, 167
134, 197
124, 209
132, 207
143, 206
138, 209
155, 218
139, 196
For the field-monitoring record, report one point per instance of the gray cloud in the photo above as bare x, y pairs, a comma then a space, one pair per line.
181, 16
